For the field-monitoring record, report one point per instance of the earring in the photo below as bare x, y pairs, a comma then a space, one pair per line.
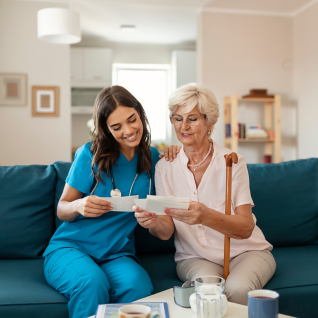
209, 132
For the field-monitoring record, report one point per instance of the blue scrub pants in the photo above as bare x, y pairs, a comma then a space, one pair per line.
87, 283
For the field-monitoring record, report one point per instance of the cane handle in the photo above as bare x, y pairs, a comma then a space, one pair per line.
231, 158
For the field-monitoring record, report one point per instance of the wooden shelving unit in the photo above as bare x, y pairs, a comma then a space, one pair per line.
272, 146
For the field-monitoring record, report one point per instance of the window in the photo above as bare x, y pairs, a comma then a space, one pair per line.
150, 85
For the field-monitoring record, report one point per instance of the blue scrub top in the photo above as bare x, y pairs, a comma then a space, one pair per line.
111, 235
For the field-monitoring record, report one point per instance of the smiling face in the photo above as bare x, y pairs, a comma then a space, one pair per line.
125, 125
191, 135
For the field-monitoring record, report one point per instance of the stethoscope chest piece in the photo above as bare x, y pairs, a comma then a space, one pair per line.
115, 193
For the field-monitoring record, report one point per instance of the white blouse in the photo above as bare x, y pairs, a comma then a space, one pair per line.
174, 178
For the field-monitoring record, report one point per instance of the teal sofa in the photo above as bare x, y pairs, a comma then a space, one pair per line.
286, 207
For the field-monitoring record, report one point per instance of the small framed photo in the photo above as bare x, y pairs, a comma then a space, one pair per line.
13, 89
45, 101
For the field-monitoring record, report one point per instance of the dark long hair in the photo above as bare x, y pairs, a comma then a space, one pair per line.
105, 148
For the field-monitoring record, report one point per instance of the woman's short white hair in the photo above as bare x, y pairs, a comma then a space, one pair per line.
191, 95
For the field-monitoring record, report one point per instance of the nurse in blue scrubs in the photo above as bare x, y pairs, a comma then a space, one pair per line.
91, 257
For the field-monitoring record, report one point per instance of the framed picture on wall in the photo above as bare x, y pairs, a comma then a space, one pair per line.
45, 101
13, 89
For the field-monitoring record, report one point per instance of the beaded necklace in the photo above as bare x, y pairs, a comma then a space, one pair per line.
194, 167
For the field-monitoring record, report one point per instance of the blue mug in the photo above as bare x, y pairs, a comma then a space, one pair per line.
262, 303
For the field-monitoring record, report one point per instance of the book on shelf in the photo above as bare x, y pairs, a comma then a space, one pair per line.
111, 310
247, 131
241, 133
228, 130
257, 136
255, 131
253, 127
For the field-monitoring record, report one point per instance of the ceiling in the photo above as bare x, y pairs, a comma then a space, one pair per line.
161, 24
170, 3
165, 21
277, 6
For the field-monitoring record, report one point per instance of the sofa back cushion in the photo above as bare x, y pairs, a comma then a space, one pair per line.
145, 243
61, 169
286, 201
26, 210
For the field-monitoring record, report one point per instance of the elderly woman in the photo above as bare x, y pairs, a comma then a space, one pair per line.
199, 172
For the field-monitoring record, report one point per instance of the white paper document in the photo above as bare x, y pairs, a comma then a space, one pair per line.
158, 207
154, 204
141, 203
171, 198
159, 204
160, 198
122, 204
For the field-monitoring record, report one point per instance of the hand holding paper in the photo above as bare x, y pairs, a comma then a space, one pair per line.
157, 204
92, 206
147, 220
193, 215
122, 204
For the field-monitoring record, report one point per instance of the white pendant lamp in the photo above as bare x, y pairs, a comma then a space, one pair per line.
57, 25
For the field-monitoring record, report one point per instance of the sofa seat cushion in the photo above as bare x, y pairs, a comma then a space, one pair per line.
296, 280
296, 267
299, 302
24, 291
161, 268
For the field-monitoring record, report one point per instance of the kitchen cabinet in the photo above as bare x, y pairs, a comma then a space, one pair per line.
91, 67
76, 64
184, 68
184, 71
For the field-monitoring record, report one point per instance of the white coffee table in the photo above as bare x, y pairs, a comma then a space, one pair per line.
175, 311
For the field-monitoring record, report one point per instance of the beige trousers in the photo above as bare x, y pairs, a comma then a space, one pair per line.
248, 271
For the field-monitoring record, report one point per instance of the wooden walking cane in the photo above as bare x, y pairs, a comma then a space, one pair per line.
229, 159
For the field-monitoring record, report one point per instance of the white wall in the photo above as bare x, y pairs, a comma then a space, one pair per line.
237, 52
25, 139
306, 80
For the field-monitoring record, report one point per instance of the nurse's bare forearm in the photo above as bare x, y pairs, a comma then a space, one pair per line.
67, 211
235, 226
165, 228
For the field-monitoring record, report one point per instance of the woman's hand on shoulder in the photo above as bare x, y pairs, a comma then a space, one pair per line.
194, 215
170, 153
146, 219
93, 206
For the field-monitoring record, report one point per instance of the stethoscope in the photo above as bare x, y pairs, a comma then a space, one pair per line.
116, 192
